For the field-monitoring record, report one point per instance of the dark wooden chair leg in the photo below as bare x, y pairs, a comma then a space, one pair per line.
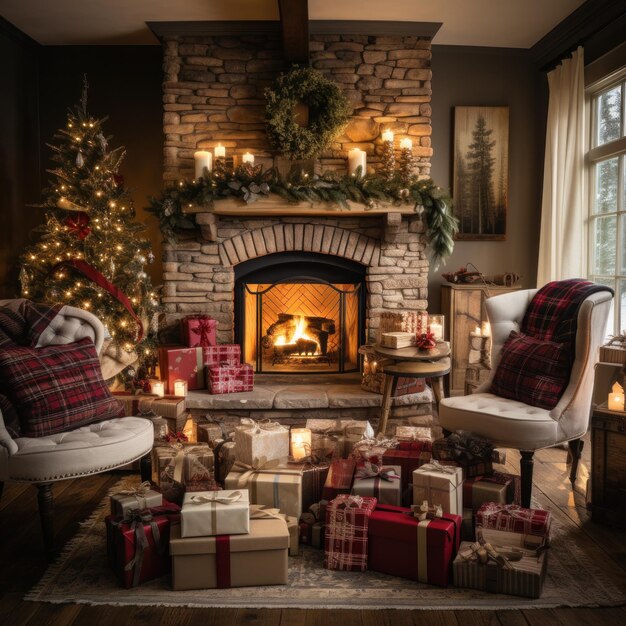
526, 471
1, 489
575, 451
46, 514
145, 467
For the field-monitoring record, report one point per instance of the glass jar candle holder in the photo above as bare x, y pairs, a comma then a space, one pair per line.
436, 325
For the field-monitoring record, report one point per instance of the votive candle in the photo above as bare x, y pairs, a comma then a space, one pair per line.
220, 151
616, 398
248, 158
356, 158
202, 158
180, 388
300, 443
158, 388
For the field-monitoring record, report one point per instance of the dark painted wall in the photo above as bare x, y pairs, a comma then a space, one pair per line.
464, 76
19, 150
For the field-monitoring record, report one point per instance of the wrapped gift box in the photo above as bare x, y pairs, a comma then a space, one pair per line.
501, 519
207, 513
180, 363
327, 446
182, 463
338, 435
209, 432
409, 461
355, 432
199, 331
498, 488
260, 442
414, 433
226, 353
375, 382
521, 578
440, 485
614, 351
141, 539
415, 322
380, 482
346, 536
259, 511
398, 339
339, 478
150, 405
467, 449
276, 486
161, 427
258, 558
403, 545
471, 470
225, 455
467, 526
140, 497
313, 481
224, 378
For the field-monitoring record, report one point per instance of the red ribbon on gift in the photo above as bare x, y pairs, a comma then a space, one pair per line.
203, 330
222, 561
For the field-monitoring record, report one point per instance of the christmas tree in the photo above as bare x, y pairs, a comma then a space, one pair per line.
89, 253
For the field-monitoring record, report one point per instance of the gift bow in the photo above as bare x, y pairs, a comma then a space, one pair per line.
262, 512
217, 496
139, 491
435, 466
349, 501
371, 470
137, 518
202, 329
483, 553
259, 465
253, 427
424, 511
177, 437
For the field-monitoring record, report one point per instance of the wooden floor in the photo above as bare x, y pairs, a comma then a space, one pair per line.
22, 564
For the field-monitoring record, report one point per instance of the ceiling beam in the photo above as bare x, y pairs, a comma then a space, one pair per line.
294, 22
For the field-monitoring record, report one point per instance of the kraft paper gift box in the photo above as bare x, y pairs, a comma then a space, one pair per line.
275, 485
209, 432
313, 481
260, 442
207, 513
498, 488
252, 560
496, 521
524, 577
224, 378
198, 331
403, 545
414, 433
339, 478
149, 405
327, 446
259, 511
344, 433
181, 363
346, 536
380, 482
227, 353
409, 461
182, 463
440, 485
225, 453
140, 497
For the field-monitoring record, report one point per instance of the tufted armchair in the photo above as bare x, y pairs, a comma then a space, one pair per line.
81, 452
513, 424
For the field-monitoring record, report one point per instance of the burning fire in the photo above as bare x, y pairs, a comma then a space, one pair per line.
300, 333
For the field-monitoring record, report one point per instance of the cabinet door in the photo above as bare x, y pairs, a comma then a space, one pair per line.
467, 314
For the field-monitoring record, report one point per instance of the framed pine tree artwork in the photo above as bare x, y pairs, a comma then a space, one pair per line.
481, 171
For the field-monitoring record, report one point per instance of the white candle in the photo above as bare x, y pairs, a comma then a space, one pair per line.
220, 151
486, 329
616, 398
300, 443
248, 158
180, 388
477, 330
202, 158
388, 135
406, 143
437, 331
356, 158
158, 388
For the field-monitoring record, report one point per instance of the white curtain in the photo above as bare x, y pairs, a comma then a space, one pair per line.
562, 243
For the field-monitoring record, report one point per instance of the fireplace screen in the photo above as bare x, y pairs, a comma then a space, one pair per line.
303, 325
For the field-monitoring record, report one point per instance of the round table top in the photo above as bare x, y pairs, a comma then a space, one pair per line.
414, 354
419, 369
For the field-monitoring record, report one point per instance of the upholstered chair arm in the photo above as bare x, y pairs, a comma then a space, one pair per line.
72, 324
6, 441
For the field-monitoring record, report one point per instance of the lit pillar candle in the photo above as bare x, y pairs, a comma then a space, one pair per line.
220, 151
356, 158
180, 388
435, 324
158, 388
616, 398
202, 158
248, 158
406, 144
300, 443
388, 136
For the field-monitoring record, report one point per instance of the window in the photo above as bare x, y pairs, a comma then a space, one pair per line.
607, 191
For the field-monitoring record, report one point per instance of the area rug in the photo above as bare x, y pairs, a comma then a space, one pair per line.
577, 576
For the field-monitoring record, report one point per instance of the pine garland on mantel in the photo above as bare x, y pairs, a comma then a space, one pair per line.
249, 183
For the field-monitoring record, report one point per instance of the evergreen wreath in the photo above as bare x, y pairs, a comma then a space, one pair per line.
329, 111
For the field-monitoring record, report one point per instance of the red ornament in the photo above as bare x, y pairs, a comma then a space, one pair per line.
78, 224
426, 341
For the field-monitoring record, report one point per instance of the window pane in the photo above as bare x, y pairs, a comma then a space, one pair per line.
622, 309
606, 186
609, 115
604, 245
611, 324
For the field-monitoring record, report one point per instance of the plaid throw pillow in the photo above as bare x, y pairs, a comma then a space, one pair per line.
57, 388
532, 371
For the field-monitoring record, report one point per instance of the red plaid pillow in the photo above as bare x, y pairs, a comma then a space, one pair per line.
57, 388
532, 371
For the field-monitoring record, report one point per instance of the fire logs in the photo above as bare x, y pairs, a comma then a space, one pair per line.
286, 326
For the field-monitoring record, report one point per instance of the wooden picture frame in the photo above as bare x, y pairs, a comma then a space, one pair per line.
481, 172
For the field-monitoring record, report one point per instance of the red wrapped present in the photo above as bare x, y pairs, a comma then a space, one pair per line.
339, 478
137, 545
230, 378
422, 446
409, 461
199, 331
179, 363
229, 353
345, 540
511, 518
498, 488
403, 545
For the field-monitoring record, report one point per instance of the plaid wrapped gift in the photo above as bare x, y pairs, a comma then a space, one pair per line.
440, 485
345, 540
260, 442
415, 322
511, 518
226, 378
182, 463
199, 331
228, 353
381, 482
339, 478
409, 461
181, 363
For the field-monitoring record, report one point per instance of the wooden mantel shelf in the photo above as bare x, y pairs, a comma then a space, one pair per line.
275, 206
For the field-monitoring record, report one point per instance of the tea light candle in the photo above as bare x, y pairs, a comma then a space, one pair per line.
435, 325
356, 158
406, 144
158, 388
202, 158
180, 388
388, 136
220, 151
248, 158
300, 443
616, 398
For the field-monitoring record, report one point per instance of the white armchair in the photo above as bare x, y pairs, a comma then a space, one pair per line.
81, 452
513, 424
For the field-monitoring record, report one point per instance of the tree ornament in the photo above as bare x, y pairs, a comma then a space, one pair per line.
406, 165
78, 225
142, 259
329, 111
150, 258
142, 275
102, 140
67, 205
388, 160
80, 160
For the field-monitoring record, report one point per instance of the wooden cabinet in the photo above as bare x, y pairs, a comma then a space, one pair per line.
464, 308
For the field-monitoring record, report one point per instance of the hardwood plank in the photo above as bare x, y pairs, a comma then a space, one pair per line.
511, 618
55, 614
435, 618
477, 618
13, 604
582, 617
213, 617
258, 617
542, 617
293, 617
11, 492
342, 617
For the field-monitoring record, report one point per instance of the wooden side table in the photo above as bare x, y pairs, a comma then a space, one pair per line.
412, 363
